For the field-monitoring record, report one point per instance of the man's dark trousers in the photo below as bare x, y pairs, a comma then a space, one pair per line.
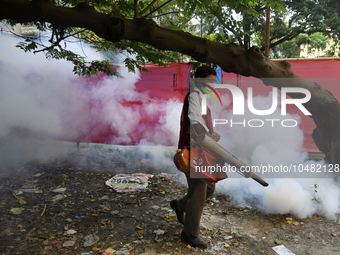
192, 204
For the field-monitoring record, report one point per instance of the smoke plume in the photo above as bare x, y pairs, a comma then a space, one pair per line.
278, 145
43, 102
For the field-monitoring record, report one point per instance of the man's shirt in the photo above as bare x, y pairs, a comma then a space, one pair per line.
195, 109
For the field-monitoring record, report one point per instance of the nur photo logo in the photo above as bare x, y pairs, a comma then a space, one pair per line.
238, 99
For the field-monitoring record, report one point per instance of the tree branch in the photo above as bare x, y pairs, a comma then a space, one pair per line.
225, 26
163, 14
114, 29
157, 8
135, 9
57, 42
291, 36
286, 38
148, 7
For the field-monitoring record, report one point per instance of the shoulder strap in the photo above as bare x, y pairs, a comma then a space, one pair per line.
208, 124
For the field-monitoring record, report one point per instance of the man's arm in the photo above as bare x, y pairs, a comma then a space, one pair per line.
195, 116
195, 112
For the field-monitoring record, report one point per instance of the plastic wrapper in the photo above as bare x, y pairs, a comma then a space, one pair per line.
282, 250
129, 182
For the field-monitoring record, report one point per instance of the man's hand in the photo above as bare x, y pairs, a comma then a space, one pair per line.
199, 129
216, 137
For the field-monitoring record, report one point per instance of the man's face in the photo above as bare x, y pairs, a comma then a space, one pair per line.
202, 81
210, 78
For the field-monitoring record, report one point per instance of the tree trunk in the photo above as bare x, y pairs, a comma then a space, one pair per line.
323, 106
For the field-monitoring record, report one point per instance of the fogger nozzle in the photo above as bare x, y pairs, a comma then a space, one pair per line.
227, 157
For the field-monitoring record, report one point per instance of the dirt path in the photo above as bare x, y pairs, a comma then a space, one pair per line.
85, 215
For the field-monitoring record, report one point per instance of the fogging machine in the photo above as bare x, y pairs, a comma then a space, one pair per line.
217, 153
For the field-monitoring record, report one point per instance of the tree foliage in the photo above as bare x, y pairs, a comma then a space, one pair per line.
304, 19
292, 48
171, 14
227, 21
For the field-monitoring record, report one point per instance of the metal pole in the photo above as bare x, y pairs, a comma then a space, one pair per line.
267, 31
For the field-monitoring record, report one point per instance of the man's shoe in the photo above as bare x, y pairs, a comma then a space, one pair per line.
179, 213
194, 241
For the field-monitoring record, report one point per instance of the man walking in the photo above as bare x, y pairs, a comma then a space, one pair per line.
198, 191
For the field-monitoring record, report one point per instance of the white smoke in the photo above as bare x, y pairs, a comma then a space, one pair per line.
278, 145
42, 101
